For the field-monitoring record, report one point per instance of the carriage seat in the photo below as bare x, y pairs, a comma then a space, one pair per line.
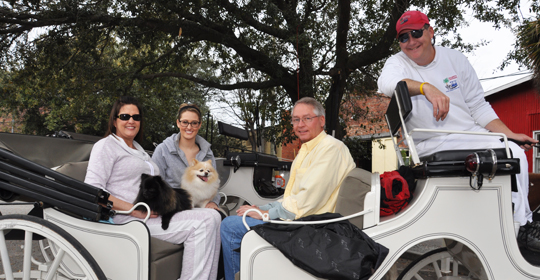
263, 165
353, 195
165, 258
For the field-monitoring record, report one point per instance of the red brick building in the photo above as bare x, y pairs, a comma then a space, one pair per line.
7, 124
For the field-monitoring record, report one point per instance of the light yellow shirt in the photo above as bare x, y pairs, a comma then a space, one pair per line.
316, 176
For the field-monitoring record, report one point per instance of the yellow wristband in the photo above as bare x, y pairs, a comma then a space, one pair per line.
421, 90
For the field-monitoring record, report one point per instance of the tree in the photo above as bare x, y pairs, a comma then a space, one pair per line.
70, 85
527, 48
261, 114
300, 48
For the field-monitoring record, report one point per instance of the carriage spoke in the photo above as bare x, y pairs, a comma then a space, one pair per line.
55, 265
6, 263
437, 269
445, 266
436, 264
455, 265
62, 249
27, 254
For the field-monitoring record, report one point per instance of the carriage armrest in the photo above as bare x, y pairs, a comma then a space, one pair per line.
357, 193
452, 163
253, 159
131, 243
459, 155
136, 254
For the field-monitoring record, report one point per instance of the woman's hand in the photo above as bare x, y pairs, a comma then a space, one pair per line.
142, 214
212, 205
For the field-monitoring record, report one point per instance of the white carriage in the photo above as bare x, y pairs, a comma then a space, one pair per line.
475, 224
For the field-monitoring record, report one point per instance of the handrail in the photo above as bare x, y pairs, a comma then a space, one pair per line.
148, 211
266, 218
467, 132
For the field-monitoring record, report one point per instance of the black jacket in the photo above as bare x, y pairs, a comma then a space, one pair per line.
333, 251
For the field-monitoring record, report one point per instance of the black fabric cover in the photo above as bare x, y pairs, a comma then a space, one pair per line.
407, 174
333, 251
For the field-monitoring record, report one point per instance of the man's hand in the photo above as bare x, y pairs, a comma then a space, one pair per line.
523, 138
497, 125
255, 215
441, 102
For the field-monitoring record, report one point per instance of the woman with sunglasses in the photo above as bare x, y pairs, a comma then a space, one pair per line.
177, 151
116, 165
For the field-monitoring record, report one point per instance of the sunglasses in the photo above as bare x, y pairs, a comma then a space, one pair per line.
126, 117
404, 38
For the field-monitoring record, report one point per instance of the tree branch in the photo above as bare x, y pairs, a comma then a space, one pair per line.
241, 85
248, 19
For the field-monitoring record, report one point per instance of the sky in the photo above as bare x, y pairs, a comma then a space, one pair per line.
487, 59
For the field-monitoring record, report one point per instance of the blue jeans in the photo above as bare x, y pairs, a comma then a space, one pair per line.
232, 232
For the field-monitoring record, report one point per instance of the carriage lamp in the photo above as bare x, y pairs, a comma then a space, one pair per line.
236, 162
480, 163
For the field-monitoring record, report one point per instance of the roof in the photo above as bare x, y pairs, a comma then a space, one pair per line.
526, 78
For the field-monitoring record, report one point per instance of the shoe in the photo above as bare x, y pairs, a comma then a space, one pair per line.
529, 236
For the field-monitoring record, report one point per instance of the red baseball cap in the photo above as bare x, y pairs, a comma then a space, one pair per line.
411, 20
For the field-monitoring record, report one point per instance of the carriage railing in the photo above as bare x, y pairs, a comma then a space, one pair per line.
397, 113
35, 182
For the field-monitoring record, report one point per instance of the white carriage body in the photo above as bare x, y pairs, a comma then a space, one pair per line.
477, 226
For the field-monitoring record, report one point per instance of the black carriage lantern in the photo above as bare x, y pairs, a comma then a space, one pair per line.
480, 163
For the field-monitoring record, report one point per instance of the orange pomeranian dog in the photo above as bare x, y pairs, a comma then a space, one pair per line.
201, 181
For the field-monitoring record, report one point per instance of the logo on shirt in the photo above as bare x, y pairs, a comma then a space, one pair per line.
451, 83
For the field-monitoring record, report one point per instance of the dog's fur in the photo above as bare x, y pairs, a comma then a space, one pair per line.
201, 181
162, 198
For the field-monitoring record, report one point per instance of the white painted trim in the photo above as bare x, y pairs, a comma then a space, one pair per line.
509, 85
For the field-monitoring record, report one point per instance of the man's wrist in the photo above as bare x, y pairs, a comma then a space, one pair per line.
422, 88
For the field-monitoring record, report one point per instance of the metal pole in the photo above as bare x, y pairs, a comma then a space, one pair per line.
212, 131
207, 122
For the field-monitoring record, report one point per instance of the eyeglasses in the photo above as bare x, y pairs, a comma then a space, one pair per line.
404, 38
185, 123
306, 120
126, 117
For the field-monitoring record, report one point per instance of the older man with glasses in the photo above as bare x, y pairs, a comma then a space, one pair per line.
316, 175
443, 84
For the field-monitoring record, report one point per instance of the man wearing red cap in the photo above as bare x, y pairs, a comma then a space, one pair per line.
443, 84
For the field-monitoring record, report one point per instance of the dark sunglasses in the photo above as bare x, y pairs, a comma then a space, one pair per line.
404, 38
126, 117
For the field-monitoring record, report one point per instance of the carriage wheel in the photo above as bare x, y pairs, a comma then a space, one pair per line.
32, 228
435, 264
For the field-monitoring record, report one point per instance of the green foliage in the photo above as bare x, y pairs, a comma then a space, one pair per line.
66, 61
69, 86
360, 150
527, 48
